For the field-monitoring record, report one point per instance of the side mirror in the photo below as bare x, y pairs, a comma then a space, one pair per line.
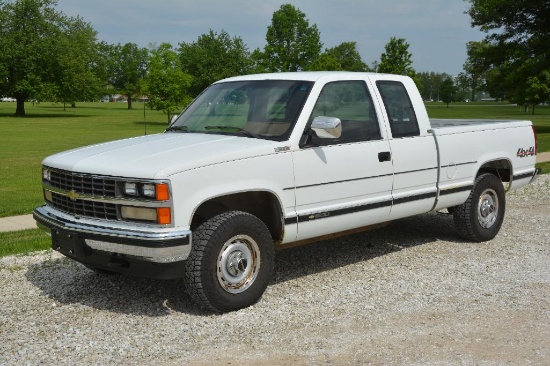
327, 127
174, 118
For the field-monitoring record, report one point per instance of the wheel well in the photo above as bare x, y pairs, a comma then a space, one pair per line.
501, 168
263, 205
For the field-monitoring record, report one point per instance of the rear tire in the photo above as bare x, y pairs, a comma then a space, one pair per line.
231, 262
480, 217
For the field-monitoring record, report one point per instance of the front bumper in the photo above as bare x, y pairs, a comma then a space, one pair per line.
148, 252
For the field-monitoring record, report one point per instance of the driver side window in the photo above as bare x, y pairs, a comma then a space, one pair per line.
350, 102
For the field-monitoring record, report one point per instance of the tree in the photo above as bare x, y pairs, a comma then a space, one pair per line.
292, 44
538, 89
447, 91
475, 67
103, 66
430, 84
33, 35
213, 57
343, 57
396, 59
75, 76
166, 84
463, 91
129, 67
516, 48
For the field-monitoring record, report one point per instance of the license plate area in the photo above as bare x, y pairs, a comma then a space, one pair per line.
68, 243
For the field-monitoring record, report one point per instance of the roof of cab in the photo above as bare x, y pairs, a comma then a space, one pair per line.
307, 76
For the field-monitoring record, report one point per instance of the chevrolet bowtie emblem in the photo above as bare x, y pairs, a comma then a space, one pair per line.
73, 195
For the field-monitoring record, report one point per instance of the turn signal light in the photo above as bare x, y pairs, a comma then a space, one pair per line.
164, 216
163, 193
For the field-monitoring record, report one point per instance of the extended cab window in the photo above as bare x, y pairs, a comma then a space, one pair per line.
399, 108
351, 103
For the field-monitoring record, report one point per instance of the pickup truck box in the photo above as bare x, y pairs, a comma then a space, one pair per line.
262, 162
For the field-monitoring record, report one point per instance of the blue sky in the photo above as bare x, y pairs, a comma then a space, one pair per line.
437, 30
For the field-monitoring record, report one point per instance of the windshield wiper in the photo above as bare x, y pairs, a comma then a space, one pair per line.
235, 129
177, 128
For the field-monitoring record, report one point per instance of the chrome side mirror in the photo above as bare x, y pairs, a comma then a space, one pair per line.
174, 118
327, 127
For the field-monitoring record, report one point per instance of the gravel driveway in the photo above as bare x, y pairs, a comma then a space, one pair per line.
410, 293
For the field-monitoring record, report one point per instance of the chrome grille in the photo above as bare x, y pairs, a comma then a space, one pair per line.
83, 183
98, 210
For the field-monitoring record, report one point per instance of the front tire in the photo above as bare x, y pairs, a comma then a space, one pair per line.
231, 262
480, 217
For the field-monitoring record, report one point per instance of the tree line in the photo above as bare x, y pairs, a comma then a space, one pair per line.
512, 62
48, 56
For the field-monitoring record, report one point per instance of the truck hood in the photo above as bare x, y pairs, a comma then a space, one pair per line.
158, 156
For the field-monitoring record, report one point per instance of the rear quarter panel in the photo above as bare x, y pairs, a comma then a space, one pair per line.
465, 149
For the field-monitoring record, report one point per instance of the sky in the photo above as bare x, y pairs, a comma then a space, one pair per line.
436, 30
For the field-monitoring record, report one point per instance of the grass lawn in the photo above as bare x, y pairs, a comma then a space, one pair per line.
24, 241
47, 129
541, 118
545, 167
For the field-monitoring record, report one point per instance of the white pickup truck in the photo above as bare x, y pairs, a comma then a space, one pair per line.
262, 162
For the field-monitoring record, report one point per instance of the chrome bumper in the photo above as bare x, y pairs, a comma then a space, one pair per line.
159, 245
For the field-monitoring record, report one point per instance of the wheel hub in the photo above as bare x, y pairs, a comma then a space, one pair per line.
238, 264
487, 208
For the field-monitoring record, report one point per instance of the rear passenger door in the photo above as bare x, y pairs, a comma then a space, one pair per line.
344, 183
414, 153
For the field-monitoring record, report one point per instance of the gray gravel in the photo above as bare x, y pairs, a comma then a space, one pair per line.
410, 293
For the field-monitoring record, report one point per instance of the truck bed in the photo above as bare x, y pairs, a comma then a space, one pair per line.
442, 123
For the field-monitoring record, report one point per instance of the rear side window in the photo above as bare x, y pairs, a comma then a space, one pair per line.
351, 103
399, 108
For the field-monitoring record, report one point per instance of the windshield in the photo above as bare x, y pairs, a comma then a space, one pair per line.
264, 109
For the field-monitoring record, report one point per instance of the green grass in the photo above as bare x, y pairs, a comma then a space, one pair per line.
24, 241
541, 118
47, 129
544, 166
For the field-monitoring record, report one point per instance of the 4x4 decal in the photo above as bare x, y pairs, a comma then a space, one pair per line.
522, 153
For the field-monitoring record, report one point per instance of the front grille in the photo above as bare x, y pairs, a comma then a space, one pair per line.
83, 183
98, 210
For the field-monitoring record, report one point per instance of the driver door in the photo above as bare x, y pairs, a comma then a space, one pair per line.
346, 182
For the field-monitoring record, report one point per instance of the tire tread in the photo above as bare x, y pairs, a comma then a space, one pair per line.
197, 272
465, 215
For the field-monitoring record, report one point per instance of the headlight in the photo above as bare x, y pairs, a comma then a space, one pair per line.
46, 174
149, 190
155, 191
130, 189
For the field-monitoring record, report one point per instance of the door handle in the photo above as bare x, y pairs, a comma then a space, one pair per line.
384, 156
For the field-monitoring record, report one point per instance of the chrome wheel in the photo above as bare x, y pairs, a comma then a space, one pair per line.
487, 208
238, 264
